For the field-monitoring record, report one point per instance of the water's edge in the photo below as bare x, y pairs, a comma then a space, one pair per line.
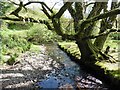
68, 73
96, 71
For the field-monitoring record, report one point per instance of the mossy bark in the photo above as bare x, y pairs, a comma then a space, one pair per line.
100, 41
88, 51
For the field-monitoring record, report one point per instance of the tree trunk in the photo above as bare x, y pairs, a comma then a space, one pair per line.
88, 51
100, 41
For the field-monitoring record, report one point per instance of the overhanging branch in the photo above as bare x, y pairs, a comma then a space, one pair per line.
104, 15
102, 34
42, 3
96, 18
63, 9
72, 11
28, 20
13, 2
45, 11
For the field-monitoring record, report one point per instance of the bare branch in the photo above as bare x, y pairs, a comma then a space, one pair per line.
98, 6
79, 10
63, 9
16, 11
13, 2
45, 11
54, 5
89, 4
42, 3
71, 11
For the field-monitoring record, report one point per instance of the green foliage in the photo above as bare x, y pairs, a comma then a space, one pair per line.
13, 43
71, 48
19, 26
115, 36
39, 34
12, 60
4, 6
115, 73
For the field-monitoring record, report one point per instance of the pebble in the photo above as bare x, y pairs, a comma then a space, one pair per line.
31, 68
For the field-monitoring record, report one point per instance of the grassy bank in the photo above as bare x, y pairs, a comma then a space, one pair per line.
111, 70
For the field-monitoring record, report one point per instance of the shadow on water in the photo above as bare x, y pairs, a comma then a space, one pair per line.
70, 73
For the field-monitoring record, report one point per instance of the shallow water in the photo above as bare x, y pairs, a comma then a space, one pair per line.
70, 73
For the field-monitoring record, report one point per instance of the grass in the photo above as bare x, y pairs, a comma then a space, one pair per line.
113, 68
34, 48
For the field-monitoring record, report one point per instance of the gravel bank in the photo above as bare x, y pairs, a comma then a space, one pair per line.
30, 70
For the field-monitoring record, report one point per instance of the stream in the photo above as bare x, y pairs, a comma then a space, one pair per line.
68, 74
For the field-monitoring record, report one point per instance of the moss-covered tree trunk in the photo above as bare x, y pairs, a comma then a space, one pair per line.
88, 51
106, 23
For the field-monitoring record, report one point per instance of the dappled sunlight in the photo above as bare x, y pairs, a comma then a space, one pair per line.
108, 65
33, 32
31, 68
10, 75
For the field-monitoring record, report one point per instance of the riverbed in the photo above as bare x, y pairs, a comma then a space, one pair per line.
50, 68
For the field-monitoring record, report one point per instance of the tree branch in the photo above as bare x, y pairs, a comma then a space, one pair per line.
42, 3
45, 11
28, 20
13, 2
98, 17
98, 6
71, 11
16, 11
104, 15
101, 34
79, 10
63, 9
68, 37
89, 4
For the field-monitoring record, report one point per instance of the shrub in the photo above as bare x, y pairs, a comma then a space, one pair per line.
19, 26
38, 34
12, 43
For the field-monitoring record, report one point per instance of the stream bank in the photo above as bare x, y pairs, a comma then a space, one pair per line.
50, 68
93, 68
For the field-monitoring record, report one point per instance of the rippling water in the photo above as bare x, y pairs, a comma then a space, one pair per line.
70, 73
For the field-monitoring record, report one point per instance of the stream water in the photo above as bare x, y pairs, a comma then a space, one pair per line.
69, 73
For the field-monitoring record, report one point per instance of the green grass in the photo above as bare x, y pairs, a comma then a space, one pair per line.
34, 48
18, 37
13, 43
71, 48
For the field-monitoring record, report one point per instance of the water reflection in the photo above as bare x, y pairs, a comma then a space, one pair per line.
70, 73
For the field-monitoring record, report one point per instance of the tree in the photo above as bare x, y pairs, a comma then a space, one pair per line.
83, 26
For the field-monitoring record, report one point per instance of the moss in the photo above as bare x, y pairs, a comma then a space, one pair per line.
109, 69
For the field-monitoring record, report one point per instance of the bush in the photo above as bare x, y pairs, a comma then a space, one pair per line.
12, 43
19, 26
38, 34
